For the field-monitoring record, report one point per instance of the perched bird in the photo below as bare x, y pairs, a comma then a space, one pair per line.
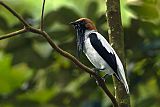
98, 50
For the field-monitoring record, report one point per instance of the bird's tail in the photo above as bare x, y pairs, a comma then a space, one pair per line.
124, 81
121, 74
120, 78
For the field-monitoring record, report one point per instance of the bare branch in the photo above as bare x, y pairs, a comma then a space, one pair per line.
15, 14
102, 84
42, 16
13, 34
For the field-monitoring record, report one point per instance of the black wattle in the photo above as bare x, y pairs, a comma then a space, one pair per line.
80, 40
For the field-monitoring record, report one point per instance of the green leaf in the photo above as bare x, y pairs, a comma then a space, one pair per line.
12, 78
92, 9
43, 49
145, 11
73, 86
5, 62
3, 23
40, 96
63, 15
139, 66
19, 74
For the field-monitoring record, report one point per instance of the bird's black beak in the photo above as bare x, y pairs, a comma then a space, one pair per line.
72, 23
80, 36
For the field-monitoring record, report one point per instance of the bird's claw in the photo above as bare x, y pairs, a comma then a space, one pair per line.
90, 75
97, 83
104, 77
96, 70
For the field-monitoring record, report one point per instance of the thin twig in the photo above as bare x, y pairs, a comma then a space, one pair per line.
13, 34
42, 16
15, 14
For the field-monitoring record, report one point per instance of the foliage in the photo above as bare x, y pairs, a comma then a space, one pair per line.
32, 74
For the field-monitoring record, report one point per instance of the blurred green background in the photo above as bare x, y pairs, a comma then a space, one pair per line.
32, 74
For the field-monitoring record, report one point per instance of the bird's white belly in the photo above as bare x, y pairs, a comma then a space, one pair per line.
93, 56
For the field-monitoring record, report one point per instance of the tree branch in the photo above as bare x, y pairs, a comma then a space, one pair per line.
13, 34
42, 16
15, 14
40, 31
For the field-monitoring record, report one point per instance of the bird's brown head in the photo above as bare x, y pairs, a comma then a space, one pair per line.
84, 23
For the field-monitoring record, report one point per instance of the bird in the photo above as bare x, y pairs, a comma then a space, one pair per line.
98, 51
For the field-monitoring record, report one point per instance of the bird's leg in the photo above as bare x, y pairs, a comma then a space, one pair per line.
96, 70
105, 76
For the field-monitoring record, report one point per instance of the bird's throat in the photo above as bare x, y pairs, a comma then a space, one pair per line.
80, 41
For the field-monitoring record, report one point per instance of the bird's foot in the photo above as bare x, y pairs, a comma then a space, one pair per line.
96, 70
104, 77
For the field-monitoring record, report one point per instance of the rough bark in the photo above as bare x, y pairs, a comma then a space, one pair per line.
116, 38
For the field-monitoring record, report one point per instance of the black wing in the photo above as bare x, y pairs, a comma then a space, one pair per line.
101, 50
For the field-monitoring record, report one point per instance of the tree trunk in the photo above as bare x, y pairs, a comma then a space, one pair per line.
116, 38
